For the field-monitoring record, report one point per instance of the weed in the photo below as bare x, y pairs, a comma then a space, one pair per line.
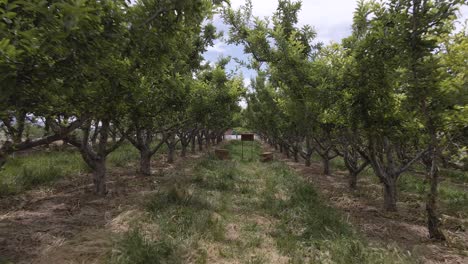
39, 168
136, 249
123, 156
192, 210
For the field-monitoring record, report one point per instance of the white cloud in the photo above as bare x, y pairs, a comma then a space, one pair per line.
218, 47
332, 19
243, 103
247, 82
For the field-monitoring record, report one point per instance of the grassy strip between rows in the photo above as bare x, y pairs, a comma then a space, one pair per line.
243, 212
42, 168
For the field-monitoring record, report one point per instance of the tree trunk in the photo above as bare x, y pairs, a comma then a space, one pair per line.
145, 163
307, 161
200, 143
326, 165
207, 141
281, 148
353, 180
170, 153
193, 144
296, 155
3, 159
390, 195
99, 176
433, 223
183, 152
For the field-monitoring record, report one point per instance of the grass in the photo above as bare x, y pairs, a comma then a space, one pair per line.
246, 212
39, 168
455, 175
24, 172
453, 199
123, 156
452, 190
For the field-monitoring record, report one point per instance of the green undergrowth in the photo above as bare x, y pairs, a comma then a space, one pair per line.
243, 211
38, 168
452, 189
454, 200
123, 156
25, 172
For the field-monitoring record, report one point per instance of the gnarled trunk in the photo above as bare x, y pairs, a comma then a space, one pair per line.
183, 152
145, 163
171, 147
326, 165
351, 159
433, 223
296, 155
200, 142
3, 159
193, 144
390, 195
170, 154
99, 176
352, 180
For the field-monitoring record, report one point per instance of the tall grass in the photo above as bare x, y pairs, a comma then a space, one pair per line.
454, 199
25, 172
123, 156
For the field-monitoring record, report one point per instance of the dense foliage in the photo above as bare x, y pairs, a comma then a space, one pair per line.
391, 95
97, 73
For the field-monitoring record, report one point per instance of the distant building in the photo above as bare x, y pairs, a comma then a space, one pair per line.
229, 132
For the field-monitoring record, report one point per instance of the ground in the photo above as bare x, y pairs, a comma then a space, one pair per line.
405, 228
201, 210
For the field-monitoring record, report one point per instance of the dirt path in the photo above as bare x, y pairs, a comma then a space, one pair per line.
405, 228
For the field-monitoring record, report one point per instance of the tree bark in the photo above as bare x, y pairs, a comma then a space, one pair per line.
390, 195
193, 144
326, 165
433, 223
183, 152
99, 177
200, 142
353, 180
2, 160
145, 163
170, 153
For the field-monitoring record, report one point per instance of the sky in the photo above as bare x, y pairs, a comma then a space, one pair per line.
331, 19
